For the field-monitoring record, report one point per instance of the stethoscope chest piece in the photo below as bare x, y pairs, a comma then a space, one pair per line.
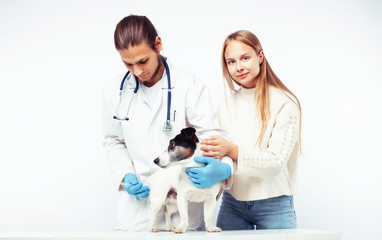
167, 126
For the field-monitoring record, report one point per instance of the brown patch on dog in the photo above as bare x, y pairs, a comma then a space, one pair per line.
195, 138
186, 152
172, 194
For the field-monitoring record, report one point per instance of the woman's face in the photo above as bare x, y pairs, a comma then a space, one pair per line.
243, 63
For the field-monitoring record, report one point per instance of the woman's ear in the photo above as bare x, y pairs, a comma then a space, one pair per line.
158, 44
261, 56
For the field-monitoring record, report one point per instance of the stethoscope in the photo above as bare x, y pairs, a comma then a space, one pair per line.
167, 125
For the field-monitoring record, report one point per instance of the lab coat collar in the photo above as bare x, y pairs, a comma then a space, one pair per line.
131, 78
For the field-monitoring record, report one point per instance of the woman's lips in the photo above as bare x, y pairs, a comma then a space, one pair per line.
242, 75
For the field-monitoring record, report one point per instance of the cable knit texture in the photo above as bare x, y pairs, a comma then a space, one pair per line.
270, 170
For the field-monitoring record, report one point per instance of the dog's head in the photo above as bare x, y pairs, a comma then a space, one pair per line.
181, 147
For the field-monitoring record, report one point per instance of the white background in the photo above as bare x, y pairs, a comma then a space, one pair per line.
56, 56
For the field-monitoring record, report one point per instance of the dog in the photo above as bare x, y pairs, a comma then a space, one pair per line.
172, 187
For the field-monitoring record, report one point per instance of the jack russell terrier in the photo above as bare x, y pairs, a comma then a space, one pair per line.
172, 187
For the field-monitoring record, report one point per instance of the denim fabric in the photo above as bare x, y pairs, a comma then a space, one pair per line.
271, 213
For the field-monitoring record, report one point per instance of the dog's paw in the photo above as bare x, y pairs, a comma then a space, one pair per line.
179, 230
154, 229
213, 229
170, 228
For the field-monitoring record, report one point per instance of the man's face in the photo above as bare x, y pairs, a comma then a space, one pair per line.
144, 62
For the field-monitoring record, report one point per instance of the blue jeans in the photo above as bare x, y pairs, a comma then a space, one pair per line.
271, 213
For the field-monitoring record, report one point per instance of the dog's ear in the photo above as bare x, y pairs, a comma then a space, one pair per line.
189, 133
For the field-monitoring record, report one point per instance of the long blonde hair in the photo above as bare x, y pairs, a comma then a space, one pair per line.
264, 79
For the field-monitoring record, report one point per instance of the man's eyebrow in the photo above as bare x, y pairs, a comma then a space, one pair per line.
141, 60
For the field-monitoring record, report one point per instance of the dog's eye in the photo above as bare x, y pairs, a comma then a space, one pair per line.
171, 146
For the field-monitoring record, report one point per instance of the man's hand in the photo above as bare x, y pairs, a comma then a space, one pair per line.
135, 188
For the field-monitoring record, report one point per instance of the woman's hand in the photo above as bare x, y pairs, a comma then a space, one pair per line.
218, 147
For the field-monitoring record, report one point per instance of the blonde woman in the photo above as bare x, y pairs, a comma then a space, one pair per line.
263, 119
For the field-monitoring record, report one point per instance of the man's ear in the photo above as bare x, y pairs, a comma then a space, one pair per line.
158, 44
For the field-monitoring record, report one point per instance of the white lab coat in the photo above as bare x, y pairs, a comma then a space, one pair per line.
131, 146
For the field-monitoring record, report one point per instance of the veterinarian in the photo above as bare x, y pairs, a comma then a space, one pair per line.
263, 118
143, 109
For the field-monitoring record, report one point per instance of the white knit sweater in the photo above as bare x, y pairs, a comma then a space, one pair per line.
271, 170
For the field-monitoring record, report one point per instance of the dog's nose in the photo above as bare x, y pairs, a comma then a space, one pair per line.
156, 161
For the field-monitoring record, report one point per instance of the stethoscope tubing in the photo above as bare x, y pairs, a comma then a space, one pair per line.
167, 125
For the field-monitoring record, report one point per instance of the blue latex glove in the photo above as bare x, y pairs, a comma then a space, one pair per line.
135, 188
213, 172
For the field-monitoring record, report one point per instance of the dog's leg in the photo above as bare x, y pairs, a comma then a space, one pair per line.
155, 207
171, 208
152, 217
183, 212
209, 206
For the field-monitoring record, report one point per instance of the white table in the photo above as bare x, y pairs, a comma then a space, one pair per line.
290, 234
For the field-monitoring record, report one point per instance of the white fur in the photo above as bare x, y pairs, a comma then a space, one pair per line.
174, 176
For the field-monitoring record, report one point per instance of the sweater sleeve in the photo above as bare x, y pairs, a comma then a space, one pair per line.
201, 116
272, 159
